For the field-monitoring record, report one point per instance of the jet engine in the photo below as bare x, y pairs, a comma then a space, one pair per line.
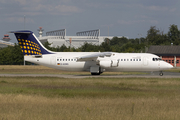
109, 63
105, 64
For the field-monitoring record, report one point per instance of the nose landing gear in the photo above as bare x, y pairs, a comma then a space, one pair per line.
161, 73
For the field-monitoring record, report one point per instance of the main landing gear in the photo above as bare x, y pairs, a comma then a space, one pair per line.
95, 73
161, 73
96, 70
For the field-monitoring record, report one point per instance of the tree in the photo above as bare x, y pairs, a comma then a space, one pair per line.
174, 34
105, 46
152, 35
89, 47
156, 37
118, 41
47, 45
18, 57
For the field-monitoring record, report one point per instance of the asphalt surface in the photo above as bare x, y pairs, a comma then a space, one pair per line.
149, 75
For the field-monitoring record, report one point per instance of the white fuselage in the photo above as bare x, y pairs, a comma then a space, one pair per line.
68, 61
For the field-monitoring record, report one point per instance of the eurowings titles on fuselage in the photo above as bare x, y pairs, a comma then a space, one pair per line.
94, 62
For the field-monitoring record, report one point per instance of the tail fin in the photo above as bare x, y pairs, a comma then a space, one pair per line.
29, 43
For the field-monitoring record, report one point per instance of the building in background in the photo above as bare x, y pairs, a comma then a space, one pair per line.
58, 38
170, 54
5, 41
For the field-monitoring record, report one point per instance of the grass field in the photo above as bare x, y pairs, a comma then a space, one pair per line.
37, 69
39, 98
174, 70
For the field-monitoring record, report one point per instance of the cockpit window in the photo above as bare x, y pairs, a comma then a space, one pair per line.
156, 59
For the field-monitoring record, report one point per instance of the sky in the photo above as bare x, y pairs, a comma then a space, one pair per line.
130, 18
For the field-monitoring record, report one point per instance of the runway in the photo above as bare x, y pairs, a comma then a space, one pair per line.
150, 75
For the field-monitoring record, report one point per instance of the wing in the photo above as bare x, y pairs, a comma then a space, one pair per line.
94, 56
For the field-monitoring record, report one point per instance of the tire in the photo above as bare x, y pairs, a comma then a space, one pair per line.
95, 73
161, 74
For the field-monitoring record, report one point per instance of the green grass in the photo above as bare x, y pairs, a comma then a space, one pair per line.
39, 98
54, 98
38, 69
174, 70
89, 87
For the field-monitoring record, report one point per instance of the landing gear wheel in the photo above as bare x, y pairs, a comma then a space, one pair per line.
161, 73
95, 73
98, 72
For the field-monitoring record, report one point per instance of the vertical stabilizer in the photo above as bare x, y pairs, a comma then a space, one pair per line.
29, 43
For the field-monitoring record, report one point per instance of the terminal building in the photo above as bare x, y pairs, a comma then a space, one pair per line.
5, 41
58, 38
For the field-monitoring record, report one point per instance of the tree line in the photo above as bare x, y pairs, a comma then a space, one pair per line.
12, 55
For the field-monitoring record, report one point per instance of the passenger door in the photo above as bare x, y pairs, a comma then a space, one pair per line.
53, 60
145, 61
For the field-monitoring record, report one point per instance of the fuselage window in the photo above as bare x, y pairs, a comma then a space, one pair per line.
63, 59
172, 61
124, 59
74, 59
60, 59
127, 59
133, 59
121, 59
71, 59
166, 60
68, 59
57, 59
136, 59
139, 59
169, 61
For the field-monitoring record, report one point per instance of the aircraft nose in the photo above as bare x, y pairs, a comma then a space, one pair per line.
169, 66
165, 66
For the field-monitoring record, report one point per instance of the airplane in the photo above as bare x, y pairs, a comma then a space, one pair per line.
94, 62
